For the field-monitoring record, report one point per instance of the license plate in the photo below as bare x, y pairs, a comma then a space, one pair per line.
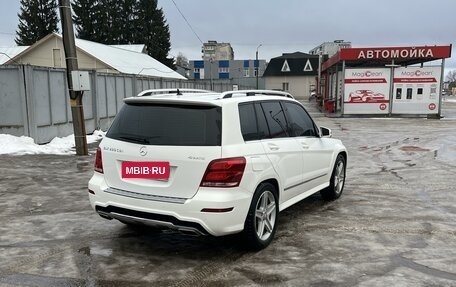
145, 169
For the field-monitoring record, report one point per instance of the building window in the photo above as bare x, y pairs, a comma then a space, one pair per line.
398, 93
246, 73
409, 93
224, 70
285, 86
419, 91
308, 67
285, 67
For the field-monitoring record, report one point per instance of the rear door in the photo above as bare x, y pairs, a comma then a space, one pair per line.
184, 138
284, 152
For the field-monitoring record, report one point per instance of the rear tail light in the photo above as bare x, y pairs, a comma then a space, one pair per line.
98, 161
225, 172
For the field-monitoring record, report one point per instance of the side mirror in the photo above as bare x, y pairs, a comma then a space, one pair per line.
325, 132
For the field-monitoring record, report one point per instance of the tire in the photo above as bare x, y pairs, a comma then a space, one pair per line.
262, 218
337, 181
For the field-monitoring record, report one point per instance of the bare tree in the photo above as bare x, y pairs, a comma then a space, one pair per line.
181, 60
451, 78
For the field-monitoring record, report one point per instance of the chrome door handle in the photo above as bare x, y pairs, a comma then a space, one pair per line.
304, 146
273, 147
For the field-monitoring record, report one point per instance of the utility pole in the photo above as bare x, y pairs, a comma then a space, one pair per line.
210, 73
257, 65
69, 45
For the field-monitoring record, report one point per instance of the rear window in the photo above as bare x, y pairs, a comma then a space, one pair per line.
168, 125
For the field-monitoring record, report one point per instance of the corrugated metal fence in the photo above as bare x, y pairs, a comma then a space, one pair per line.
34, 100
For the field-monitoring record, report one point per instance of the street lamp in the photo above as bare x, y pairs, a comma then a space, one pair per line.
210, 72
257, 65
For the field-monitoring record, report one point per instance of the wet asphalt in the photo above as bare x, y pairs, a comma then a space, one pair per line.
395, 224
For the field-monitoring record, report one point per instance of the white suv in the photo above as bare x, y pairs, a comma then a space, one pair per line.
213, 163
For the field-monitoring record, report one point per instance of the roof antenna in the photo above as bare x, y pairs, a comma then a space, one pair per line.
179, 93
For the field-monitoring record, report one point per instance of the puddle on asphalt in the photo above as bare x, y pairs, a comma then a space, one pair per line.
410, 148
447, 150
97, 250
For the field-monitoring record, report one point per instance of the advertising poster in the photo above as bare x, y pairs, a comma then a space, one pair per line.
416, 90
367, 91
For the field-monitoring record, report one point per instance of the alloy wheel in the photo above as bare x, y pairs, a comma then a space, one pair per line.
265, 215
339, 177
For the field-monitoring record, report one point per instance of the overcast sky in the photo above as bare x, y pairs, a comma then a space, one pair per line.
293, 25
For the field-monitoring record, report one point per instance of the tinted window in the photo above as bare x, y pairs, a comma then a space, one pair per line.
168, 125
247, 117
300, 123
263, 130
275, 118
253, 122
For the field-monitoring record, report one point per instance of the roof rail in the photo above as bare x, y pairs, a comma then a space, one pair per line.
177, 91
247, 93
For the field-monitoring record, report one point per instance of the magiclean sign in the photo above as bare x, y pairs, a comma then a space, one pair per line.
417, 75
431, 52
366, 74
367, 90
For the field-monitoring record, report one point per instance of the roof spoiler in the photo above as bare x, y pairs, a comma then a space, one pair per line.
176, 91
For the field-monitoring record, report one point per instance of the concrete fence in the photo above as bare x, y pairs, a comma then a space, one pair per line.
34, 100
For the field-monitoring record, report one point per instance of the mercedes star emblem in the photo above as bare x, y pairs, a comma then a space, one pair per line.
143, 150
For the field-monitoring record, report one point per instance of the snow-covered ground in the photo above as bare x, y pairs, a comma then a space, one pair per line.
451, 100
10, 144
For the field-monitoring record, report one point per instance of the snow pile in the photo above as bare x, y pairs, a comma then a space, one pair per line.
10, 144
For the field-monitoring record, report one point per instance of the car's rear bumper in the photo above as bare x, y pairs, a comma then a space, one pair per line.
184, 215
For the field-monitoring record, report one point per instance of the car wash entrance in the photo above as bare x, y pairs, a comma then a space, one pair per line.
416, 90
389, 81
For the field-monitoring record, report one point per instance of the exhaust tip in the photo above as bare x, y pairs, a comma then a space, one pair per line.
104, 215
189, 232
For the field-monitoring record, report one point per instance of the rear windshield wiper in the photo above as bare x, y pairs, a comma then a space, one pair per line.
135, 139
